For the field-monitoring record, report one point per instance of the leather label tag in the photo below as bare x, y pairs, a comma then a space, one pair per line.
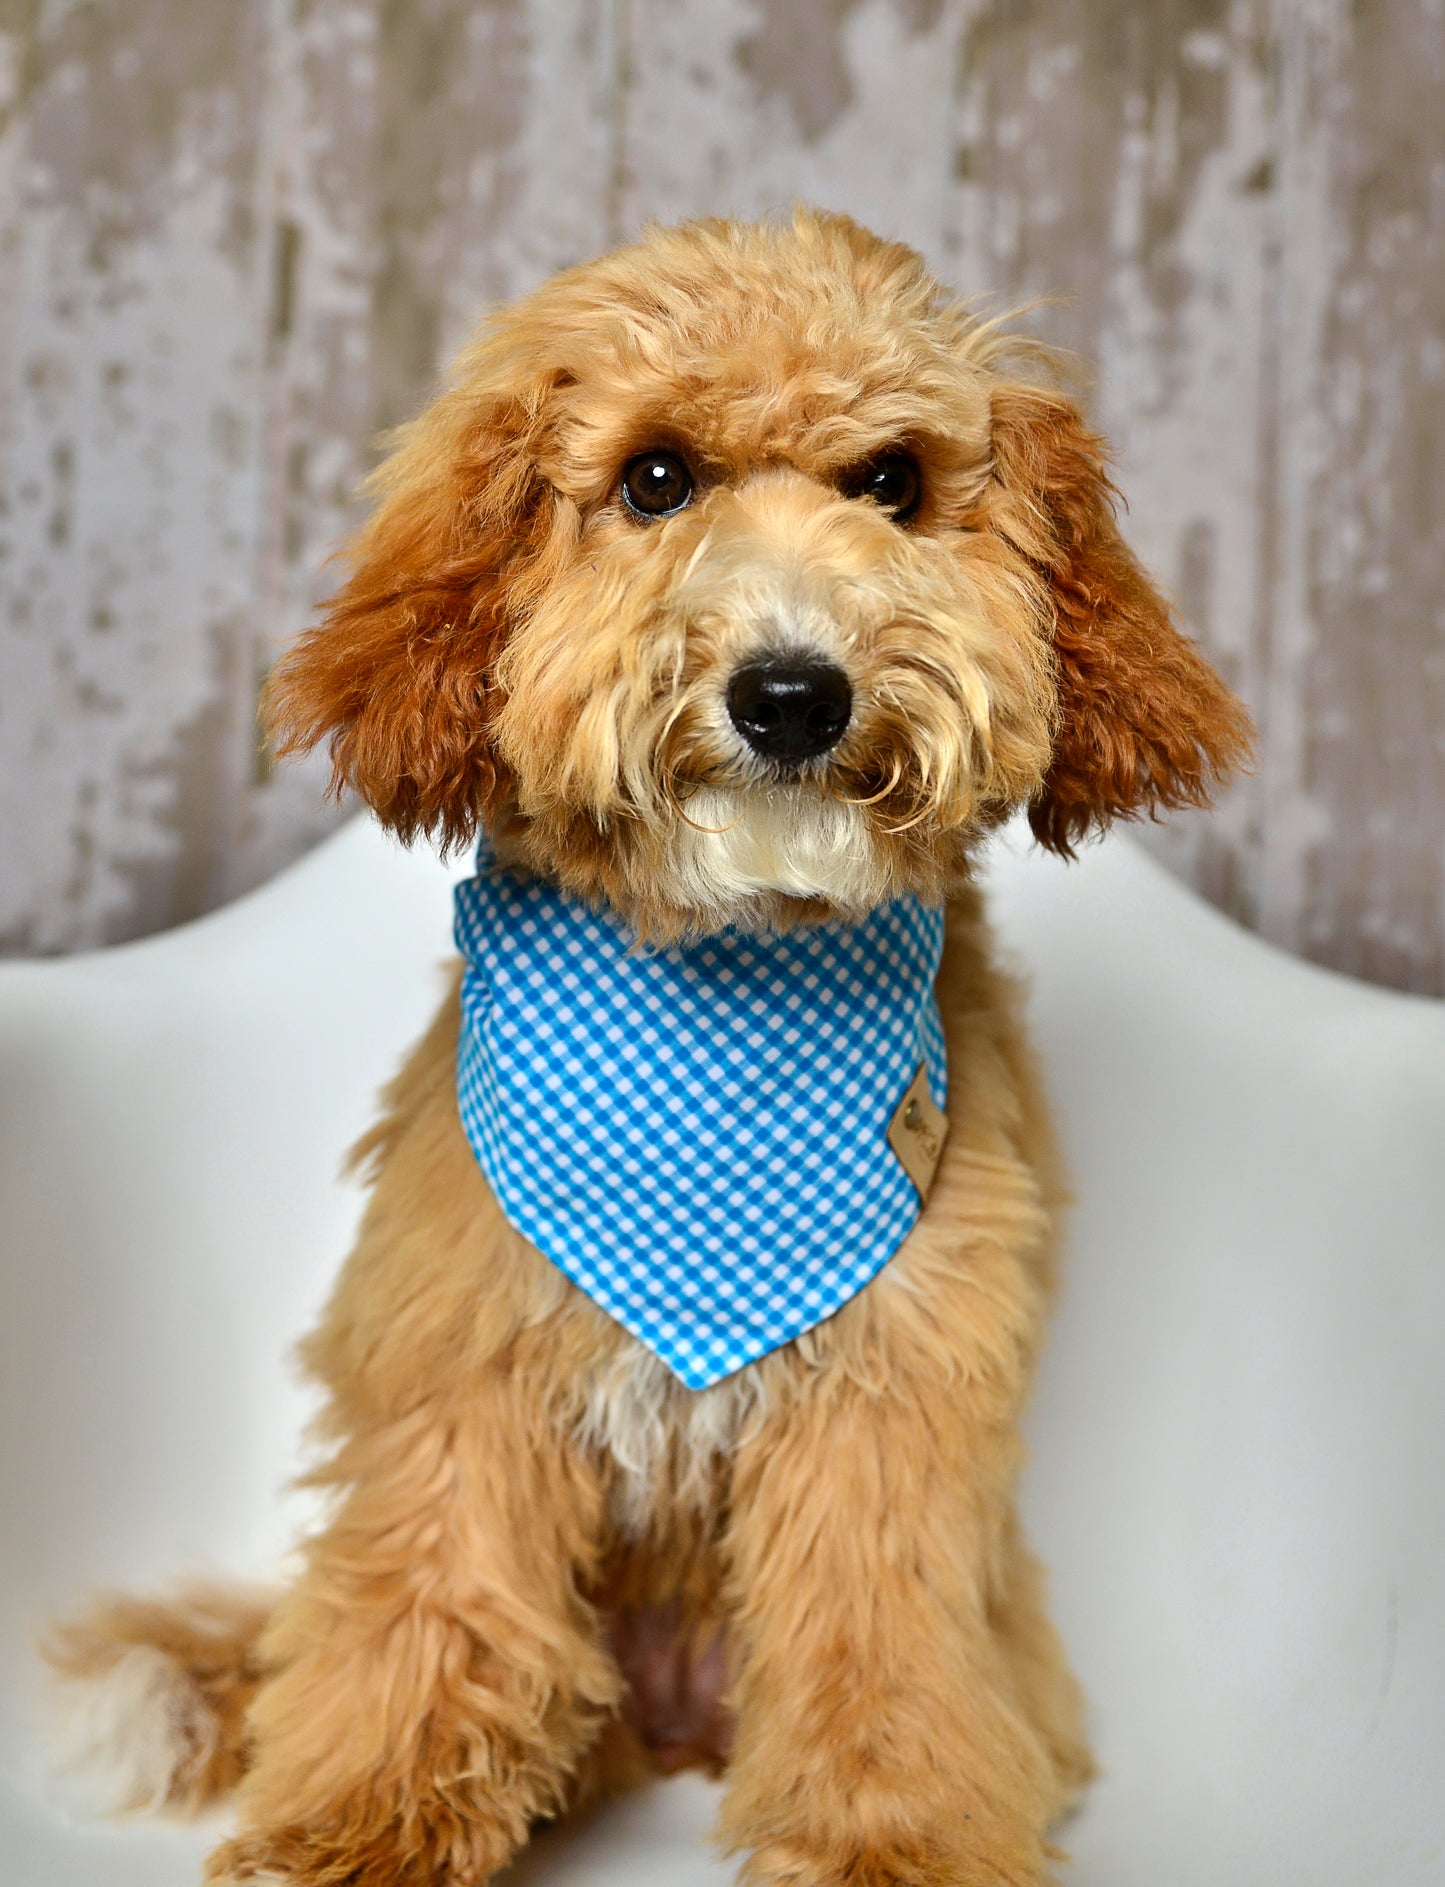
917, 1132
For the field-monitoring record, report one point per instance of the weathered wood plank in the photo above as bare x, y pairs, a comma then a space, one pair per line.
426, 160
735, 109
1121, 165
240, 241
131, 493
1352, 844
1242, 204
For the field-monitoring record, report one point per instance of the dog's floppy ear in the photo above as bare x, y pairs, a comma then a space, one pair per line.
1144, 722
399, 672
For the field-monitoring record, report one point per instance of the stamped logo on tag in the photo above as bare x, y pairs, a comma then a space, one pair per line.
917, 1132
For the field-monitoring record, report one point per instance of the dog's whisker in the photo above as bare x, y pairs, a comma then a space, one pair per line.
883, 792
669, 786
909, 824
716, 832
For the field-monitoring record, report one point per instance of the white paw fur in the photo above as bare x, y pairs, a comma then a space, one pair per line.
114, 1744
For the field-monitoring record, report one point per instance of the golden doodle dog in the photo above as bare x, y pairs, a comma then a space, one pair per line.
734, 590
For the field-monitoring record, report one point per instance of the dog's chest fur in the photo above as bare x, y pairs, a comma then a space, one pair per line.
665, 1441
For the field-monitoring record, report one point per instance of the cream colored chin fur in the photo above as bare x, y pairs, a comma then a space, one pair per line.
738, 843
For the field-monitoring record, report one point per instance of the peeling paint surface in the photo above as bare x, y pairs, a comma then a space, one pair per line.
238, 242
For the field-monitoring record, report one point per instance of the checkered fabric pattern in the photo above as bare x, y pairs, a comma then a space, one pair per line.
696, 1136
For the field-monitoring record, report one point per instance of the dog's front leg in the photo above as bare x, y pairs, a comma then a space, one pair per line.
436, 1677
881, 1736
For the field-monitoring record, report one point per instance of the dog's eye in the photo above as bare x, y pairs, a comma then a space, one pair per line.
656, 484
892, 481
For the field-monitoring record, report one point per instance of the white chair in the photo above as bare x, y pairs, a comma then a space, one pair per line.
1237, 1472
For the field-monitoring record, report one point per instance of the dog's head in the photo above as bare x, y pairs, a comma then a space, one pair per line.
731, 582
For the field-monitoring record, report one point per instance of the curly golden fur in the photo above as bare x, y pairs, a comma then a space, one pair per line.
545, 1561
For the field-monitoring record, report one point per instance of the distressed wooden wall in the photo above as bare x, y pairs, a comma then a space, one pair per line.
237, 240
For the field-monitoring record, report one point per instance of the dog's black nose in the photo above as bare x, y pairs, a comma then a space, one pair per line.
788, 709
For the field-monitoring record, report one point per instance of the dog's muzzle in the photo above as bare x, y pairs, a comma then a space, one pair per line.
788, 709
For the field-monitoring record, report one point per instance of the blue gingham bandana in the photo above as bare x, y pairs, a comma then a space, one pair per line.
696, 1136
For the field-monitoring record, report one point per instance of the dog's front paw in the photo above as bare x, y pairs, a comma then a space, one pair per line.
892, 1864
289, 1858
304, 1857
245, 1863
792, 1864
